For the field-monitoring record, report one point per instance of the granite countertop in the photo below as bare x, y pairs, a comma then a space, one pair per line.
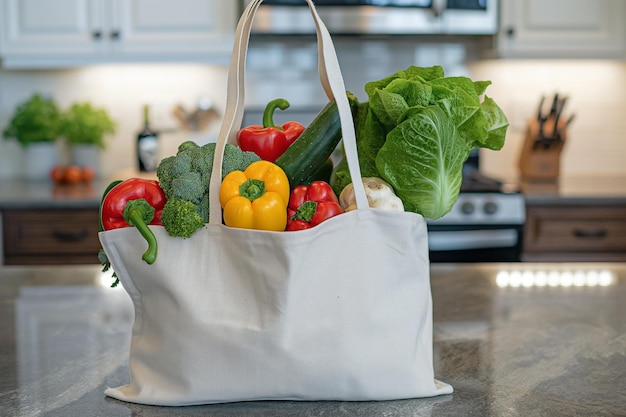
44, 194
576, 190
512, 339
17, 194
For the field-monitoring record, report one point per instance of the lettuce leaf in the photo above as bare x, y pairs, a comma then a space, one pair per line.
422, 159
497, 124
417, 130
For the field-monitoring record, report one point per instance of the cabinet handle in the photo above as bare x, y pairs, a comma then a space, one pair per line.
70, 235
510, 32
590, 234
115, 35
96, 35
436, 10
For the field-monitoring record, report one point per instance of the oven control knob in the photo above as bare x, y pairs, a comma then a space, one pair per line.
467, 207
490, 207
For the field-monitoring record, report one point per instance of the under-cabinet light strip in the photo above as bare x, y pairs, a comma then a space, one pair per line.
554, 278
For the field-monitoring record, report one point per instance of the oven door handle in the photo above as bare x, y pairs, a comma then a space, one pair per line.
472, 239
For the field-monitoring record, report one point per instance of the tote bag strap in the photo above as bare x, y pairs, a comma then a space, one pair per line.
332, 83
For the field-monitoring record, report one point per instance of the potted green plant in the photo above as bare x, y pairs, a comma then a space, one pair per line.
35, 125
84, 128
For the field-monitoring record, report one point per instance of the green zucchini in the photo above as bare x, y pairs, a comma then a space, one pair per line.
323, 173
307, 154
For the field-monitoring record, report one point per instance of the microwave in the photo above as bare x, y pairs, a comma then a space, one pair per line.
380, 17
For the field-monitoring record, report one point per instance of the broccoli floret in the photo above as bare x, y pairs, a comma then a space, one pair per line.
236, 160
203, 162
187, 175
188, 186
203, 208
209, 148
249, 158
164, 173
187, 146
181, 218
182, 164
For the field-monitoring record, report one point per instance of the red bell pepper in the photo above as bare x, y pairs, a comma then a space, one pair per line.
269, 141
135, 202
310, 205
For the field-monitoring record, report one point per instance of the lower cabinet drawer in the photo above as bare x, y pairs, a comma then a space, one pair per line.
50, 236
577, 230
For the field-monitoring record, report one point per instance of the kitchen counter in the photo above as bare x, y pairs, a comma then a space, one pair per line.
601, 190
17, 194
512, 339
44, 194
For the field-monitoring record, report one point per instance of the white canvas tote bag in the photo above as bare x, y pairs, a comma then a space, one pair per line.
341, 311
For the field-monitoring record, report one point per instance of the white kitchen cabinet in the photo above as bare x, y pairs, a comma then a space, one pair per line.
45, 33
562, 29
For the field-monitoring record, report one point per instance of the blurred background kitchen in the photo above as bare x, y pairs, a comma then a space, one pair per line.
172, 56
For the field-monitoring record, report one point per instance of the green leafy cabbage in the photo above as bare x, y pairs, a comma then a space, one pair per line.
417, 130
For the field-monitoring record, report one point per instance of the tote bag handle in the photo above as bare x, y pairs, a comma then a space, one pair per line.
332, 83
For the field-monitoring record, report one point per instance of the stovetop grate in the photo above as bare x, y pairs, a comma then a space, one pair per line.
476, 182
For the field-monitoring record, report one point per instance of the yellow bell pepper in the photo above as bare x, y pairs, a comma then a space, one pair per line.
256, 198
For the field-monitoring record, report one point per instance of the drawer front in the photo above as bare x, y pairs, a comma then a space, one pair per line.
576, 229
50, 232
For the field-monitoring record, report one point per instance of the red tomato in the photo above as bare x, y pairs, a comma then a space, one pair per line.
57, 174
73, 174
87, 174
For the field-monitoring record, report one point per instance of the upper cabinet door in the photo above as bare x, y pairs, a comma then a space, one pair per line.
562, 28
33, 27
63, 33
166, 27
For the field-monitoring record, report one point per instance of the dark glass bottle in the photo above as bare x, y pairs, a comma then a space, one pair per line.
147, 145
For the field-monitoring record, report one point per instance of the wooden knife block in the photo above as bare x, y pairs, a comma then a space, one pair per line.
537, 163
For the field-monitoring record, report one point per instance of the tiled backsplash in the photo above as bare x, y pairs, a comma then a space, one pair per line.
596, 94
291, 69
595, 89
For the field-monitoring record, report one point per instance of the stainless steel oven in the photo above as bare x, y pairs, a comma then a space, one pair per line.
380, 17
482, 227
485, 225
